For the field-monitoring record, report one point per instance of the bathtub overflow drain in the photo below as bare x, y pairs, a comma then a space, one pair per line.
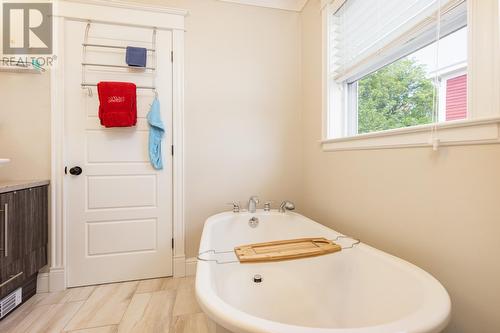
257, 278
253, 222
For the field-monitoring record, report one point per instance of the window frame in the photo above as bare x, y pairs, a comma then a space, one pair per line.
482, 125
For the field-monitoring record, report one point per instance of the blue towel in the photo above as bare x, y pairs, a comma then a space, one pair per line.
136, 56
156, 131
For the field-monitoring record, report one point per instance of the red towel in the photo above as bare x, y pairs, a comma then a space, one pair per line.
118, 104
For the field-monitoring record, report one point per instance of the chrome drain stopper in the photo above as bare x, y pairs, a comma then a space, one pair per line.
257, 278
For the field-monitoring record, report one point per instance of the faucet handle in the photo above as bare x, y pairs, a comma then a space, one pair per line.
267, 206
236, 206
286, 205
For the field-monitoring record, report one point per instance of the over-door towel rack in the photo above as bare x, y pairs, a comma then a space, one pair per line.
117, 66
86, 85
112, 47
86, 44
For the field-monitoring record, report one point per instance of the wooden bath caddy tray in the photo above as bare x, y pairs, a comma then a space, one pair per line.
285, 250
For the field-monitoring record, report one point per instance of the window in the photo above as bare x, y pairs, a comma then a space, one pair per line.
403, 93
387, 69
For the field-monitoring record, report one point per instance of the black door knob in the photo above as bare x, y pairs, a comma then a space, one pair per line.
75, 171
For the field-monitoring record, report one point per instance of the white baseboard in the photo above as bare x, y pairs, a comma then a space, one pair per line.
191, 266
184, 267
42, 283
179, 266
54, 280
57, 279
50, 281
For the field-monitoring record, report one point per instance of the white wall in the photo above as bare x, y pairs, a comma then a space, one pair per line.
439, 210
25, 125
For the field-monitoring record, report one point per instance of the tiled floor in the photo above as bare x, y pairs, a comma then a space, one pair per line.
156, 306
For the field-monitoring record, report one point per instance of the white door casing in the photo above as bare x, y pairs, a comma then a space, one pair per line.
119, 209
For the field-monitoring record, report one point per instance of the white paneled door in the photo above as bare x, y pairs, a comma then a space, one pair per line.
119, 209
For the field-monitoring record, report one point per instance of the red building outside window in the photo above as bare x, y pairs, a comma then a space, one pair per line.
456, 98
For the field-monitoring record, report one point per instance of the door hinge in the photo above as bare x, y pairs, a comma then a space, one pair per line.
172, 147
172, 243
172, 56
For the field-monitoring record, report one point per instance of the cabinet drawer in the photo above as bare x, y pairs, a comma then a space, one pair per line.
11, 276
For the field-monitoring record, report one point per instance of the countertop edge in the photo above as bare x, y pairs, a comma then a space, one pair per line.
17, 185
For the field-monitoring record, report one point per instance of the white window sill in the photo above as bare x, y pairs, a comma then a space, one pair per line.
454, 133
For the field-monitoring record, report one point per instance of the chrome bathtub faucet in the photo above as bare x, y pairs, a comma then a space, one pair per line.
252, 204
286, 205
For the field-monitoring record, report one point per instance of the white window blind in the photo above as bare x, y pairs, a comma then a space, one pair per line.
365, 35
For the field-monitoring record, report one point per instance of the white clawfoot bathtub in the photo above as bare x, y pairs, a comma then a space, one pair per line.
356, 290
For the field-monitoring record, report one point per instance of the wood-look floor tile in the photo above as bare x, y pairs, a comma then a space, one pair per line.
14, 318
194, 323
185, 302
151, 285
80, 293
37, 298
54, 318
105, 307
102, 329
186, 282
171, 283
36, 315
148, 312
58, 297
145, 306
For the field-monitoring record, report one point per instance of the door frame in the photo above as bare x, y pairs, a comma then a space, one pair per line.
162, 18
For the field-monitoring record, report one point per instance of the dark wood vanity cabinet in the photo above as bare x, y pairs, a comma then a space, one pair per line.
23, 238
